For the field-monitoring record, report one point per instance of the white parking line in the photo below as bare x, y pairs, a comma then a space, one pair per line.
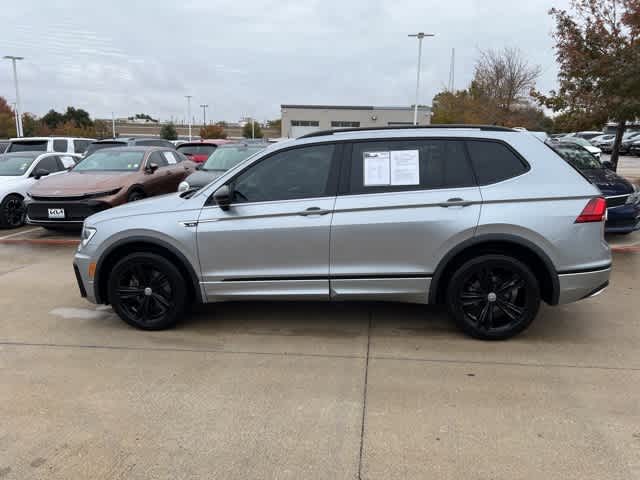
20, 233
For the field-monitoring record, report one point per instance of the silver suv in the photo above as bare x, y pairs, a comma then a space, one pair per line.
486, 220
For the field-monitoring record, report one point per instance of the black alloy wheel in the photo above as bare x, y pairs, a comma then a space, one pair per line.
147, 291
135, 195
12, 212
493, 297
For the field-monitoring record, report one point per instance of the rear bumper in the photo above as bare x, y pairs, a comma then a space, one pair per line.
580, 285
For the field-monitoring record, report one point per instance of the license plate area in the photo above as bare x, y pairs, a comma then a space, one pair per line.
57, 213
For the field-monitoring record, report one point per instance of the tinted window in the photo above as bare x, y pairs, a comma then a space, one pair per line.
159, 159
226, 157
441, 164
59, 145
100, 145
28, 146
297, 173
203, 149
494, 162
50, 164
155, 143
80, 145
3, 146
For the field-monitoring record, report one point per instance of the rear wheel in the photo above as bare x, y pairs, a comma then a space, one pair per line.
135, 195
493, 297
12, 211
147, 291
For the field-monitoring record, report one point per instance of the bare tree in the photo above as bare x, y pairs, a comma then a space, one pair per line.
505, 77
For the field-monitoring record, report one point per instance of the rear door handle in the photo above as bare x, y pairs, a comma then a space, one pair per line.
455, 202
313, 211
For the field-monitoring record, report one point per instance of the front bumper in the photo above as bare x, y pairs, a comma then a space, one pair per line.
81, 267
76, 211
580, 285
623, 219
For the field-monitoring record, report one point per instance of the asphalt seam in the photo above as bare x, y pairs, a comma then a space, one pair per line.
368, 357
364, 397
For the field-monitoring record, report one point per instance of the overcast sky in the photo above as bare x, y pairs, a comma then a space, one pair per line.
248, 57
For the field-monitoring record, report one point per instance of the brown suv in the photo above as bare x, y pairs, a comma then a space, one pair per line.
102, 180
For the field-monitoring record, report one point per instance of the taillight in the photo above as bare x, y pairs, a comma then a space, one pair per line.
595, 211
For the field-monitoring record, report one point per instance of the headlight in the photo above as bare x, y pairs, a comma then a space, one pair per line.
86, 236
183, 187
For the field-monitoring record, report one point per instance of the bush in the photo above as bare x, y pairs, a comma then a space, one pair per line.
213, 131
247, 130
169, 132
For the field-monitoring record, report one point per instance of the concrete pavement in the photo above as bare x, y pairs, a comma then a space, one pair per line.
310, 390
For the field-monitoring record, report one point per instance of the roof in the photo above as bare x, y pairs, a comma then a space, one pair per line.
24, 154
356, 107
140, 148
421, 128
28, 139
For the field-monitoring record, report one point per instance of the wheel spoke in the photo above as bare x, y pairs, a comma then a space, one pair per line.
161, 300
483, 315
510, 309
472, 298
514, 283
129, 292
144, 309
140, 275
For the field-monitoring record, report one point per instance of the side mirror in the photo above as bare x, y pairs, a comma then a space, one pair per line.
607, 164
152, 167
222, 197
199, 166
39, 173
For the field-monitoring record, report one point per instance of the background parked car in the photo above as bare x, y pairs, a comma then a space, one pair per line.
583, 143
3, 145
129, 142
623, 198
588, 134
627, 141
19, 171
49, 144
103, 180
221, 160
201, 150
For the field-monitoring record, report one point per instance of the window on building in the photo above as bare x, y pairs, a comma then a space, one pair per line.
342, 124
305, 123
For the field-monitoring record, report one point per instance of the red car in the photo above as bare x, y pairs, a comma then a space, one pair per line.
199, 151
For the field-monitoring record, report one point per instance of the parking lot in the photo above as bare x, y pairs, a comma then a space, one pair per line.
299, 390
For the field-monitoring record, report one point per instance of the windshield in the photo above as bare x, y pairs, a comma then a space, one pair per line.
100, 145
578, 157
203, 149
14, 166
32, 146
226, 157
111, 160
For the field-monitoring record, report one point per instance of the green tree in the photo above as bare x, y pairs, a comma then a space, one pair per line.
276, 123
213, 131
169, 132
598, 52
52, 119
78, 116
7, 120
33, 127
249, 131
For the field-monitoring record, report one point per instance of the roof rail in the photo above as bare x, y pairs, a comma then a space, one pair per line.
485, 128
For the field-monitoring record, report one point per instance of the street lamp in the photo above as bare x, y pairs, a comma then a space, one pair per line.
13, 59
419, 36
188, 97
204, 113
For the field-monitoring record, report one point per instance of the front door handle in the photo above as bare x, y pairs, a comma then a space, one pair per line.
455, 202
314, 211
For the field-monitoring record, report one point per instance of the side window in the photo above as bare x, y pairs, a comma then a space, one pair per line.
80, 146
68, 161
50, 164
297, 173
170, 157
404, 165
494, 162
159, 159
60, 145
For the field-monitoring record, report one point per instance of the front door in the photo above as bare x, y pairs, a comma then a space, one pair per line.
401, 205
273, 241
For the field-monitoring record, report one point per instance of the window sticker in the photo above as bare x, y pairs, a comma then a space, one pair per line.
405, 167
376, 169
171, 160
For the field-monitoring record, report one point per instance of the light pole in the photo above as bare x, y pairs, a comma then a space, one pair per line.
204, 113
13, 59
188, 97
113, 125
419, 36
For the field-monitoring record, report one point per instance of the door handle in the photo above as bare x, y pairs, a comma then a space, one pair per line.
313, 211
455, 202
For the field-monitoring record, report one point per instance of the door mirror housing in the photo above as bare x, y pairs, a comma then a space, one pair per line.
607, 164
152, 167
222, 197
39, 173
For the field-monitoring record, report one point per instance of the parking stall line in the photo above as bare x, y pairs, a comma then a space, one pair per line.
19, 233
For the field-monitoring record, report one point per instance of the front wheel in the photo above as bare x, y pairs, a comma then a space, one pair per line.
147, 291
12, 212
493, 297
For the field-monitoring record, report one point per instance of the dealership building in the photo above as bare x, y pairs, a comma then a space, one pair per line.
302, 119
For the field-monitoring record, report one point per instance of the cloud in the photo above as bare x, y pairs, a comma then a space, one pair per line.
246, 58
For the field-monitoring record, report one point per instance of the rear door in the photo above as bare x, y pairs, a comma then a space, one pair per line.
402, 204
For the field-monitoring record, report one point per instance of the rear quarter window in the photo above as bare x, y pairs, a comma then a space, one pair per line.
60, 145
494, 161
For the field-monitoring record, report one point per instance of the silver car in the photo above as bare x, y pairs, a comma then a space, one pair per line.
486, 220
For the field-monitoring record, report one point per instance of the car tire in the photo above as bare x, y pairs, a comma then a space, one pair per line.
493, 297
147, 291
135, 195
12, 211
